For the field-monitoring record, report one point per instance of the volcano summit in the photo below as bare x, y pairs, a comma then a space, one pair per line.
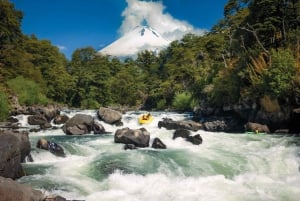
139, 39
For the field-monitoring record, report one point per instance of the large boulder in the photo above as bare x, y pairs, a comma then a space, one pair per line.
256, 127
109, 116
230, 124
173, 125
10, 156
79, 124
13, 191
138, 137
24, 143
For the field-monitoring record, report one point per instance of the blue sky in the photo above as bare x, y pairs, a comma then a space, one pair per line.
72, 24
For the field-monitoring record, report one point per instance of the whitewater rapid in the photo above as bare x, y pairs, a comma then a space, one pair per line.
225, 167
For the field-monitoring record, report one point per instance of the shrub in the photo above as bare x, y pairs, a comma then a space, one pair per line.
183, 101
89, 104
161, 104
28, 91
4, 106
275, 78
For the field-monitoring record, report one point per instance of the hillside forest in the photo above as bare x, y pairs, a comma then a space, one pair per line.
253, 53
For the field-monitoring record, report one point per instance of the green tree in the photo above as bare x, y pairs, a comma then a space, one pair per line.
92, 74
10, 24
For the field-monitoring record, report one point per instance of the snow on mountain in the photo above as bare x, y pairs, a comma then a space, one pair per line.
140, 38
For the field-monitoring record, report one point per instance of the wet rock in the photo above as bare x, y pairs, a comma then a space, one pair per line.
14, 149
129, 146
37, 120
173, 125
138, 137
10, 157
181, 133
158, 144
79, 124
98, 128
13, 191
60, 119
196, 139
109, 116
256, 127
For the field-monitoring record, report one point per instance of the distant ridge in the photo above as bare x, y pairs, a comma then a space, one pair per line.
138, 39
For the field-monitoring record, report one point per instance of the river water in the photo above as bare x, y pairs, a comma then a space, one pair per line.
225, 167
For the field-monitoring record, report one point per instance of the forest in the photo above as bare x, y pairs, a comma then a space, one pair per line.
253, 53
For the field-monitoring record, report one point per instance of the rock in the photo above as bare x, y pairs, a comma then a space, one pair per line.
256, 127
10, 157
170, 124
79, 124
23, 140
109, 116
281, 131
196, 139
53, 147
37, 120
129, 146
215, 126
181, 133
14, 149
158, 144
77, 130
138, 137
46, 126
13, 191
98, 128
60, 119
54, 198
49, 112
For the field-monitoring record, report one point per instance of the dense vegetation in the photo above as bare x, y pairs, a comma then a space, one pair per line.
253, 53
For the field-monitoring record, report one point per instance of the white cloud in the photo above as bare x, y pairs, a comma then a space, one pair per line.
137, 12
61, 47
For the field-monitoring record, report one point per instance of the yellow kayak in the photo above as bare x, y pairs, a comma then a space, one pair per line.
145, 119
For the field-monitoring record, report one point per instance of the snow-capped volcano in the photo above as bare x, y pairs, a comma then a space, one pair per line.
140, 38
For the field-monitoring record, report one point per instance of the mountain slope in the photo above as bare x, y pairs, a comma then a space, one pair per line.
140, 38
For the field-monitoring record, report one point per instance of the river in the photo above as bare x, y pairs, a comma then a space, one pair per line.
225, 167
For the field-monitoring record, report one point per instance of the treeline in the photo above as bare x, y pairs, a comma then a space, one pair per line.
253, 53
